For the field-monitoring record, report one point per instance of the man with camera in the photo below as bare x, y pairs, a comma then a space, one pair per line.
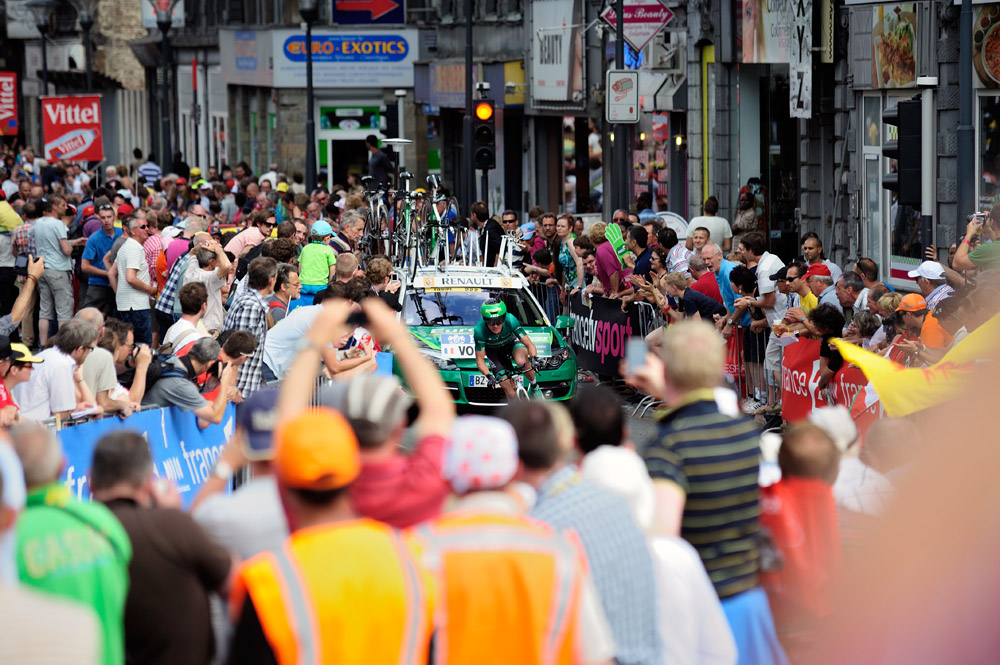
987, 254
176, 384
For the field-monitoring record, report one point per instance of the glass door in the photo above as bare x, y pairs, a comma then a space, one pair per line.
871, 150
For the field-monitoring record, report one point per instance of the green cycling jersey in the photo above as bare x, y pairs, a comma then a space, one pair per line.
510, 334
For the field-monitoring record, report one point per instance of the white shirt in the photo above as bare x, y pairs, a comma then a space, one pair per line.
281, 344
179, 331
50, 389
248, 521
215, 315
131, 255
767, 265
717, 226
860, 488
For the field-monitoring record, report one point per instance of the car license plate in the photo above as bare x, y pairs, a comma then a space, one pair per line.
480, 381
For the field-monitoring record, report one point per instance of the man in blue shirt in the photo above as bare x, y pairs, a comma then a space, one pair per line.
637, 242
712, 254
99, 292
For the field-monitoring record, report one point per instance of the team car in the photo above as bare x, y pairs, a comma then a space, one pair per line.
441, 309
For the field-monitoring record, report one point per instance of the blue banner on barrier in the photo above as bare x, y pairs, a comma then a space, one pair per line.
181, 451
383, 363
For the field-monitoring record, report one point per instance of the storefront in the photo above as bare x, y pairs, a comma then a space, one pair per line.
356, 75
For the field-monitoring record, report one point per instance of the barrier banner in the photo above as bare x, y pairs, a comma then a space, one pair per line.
601, 332
800, 368
181, 451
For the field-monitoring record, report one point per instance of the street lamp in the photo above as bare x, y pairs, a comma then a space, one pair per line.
86, 12
309, 12
164, 17
41, 10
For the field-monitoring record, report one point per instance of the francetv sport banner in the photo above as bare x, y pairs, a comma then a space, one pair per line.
601, 332
72, 126
182, 452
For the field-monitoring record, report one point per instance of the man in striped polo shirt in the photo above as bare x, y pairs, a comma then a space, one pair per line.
704, 467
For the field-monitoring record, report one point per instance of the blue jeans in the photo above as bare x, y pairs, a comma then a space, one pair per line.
142, 324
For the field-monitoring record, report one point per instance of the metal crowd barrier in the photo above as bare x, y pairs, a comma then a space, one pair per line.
57, 423
548, 298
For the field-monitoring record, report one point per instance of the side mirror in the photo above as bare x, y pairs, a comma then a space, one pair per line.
564, 323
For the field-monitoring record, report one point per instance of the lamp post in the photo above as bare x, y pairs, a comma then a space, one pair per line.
86, 13
164, 17
309, 12
41, 11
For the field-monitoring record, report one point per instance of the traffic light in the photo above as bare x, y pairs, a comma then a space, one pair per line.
906, 149
484, 136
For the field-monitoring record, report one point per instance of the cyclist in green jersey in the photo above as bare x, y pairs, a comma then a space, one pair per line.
500, 337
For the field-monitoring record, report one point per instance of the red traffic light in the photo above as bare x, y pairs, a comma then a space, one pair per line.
484, 110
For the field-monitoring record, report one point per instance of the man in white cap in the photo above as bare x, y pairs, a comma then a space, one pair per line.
931, 281
513, 583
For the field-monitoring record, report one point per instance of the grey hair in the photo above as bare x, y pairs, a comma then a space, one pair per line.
824, 279
696, 262
40, 453
73, 334
714, 247
853, 281
204, 255
351, 218
134, 222
205, 350
196, 224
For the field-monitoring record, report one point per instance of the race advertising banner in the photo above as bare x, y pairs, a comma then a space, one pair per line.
800, 372
182, 452
600, 333
72, 126
8, 104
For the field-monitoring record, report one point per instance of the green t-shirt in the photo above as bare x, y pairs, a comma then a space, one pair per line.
986, 256
314, 263
79, 551
511, 333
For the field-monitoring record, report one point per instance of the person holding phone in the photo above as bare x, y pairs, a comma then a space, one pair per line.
987, 255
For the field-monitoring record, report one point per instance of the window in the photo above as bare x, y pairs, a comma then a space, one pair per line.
461, 308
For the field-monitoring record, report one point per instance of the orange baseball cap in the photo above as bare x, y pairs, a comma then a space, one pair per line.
316, 450
912, 302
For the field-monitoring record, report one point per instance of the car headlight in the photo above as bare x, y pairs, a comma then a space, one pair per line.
439, 360
558, 357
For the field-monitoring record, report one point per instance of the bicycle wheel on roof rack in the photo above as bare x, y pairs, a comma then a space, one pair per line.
384, 231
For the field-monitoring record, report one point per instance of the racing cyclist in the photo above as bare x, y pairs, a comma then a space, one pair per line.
500, 337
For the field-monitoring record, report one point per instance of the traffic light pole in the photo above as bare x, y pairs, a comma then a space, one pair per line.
468, 173
620, 148
484, 186
927, 159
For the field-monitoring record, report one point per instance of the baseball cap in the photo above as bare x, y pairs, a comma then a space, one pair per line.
527, 230
88, 210
316, 450
205, 185
171, 232
230, 183
125, 194
928, 270
71, 209
194, 172
482, 454
258, 416
17, 352
912, 302
282, 187
781, 274
201, 182
181, 181
377, 403
817, 270
125, 209
321, 228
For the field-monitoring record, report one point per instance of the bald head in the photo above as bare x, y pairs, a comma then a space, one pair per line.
91, 315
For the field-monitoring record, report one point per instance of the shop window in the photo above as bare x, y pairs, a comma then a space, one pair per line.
989, 151
871, 154
906, 248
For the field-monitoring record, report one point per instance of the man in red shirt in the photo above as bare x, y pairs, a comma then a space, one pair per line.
401, 490
16, 363
704, 279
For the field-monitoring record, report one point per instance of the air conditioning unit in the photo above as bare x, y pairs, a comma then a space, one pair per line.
669, 52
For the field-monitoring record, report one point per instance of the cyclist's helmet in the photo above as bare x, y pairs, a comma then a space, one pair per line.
493, 310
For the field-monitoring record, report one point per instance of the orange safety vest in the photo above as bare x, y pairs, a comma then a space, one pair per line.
345, 593
510, 589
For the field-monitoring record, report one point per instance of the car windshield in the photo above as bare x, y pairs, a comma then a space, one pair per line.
461, 308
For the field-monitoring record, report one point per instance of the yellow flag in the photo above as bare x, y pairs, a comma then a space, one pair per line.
903, 391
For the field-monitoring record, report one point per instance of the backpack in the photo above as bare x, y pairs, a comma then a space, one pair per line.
271, 306
159, 368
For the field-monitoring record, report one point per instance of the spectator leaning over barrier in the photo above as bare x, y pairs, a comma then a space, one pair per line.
826, 322
175, 565
56, 387
70, 548
176, 384
718, 513
189, 328
489, 616
249, 313
37, 627
704, 279
131, 360
722, 268
249, 520
99, 369
398, 489
619, 559
16, 364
